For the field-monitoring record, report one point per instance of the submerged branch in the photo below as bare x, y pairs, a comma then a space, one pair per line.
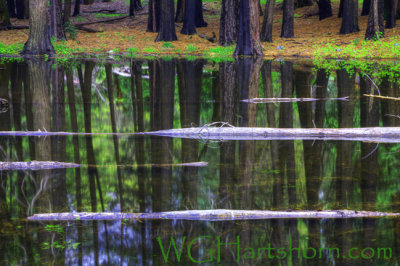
40, 133
35, 165
284, 100
213, 215
372, 134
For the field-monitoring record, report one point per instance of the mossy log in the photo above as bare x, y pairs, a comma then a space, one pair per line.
35, 165
212, 215
291, 100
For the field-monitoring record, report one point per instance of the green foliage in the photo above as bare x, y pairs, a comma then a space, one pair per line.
54, 228
70, 30
101, 15
60, 245
167, 45
191, 48
11, 49
150, 50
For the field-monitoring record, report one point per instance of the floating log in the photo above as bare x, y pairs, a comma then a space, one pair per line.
35, 165
212, 215
290, 100
382, 97
40, 133
371, 134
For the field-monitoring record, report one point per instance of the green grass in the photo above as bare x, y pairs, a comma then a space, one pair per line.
101, 15
11, 49
191, 48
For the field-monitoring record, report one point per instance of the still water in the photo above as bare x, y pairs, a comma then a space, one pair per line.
127, 173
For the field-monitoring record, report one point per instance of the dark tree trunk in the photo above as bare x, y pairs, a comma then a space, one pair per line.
340, 14
4, 17
288, 19
189, 21
26, 10
67, 10
249, 30
88, 2
303, 3
167, 26
39, 38
132, 8
10, 5
365, 8
153, 23
228, 22
199, 19
350, 17
375, 29
20, 6
77, 8
138, 5
266, 31
56, 20
391, 16
324, 9
180, 10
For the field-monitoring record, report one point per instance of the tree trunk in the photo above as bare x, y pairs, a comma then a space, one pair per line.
365, 8
180, 10
4, 17
77, 8
56, 20
375, 29
248, 42
350, 17
303, 3
189, 21
266, 31
88, 2
132, 8
153, 23
26, 10
228, 22
10, 5
324, 9
67, 10
199, 19
340, 13
288, 19
167, 23
391, 16
20, 5
39, 38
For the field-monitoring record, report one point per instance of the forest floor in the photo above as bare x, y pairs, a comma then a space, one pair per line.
313, 38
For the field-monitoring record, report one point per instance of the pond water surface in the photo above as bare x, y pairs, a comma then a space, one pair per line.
128, 173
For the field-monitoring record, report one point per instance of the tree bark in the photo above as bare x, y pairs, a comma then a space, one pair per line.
375, 29
324, 9
180, 10
167, 23
39, 38
20, 6
77, 8
56, 20
365, 8
199, 19
10, 5
67, 10
228, 22
189, 20
288, 19
153, 23
303, 3
248, 42
391, 16
350, 17
266, 31
4, 17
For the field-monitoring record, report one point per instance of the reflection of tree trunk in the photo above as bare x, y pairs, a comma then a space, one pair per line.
344, 164
92, 169
58, 143
190, 73
114, 130
75, 139
248, 77
369, 157
286, 148
229, 112
162, 88
216, 96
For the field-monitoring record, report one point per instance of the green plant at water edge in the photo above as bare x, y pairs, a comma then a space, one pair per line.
191, 48
54, 228
11, 49
167, 45
150, 50
70, 30
60, 245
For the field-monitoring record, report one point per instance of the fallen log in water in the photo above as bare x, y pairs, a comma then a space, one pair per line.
212, 215
40, 133
289, 100
371, 134
35, 165
152, 165
382, 97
